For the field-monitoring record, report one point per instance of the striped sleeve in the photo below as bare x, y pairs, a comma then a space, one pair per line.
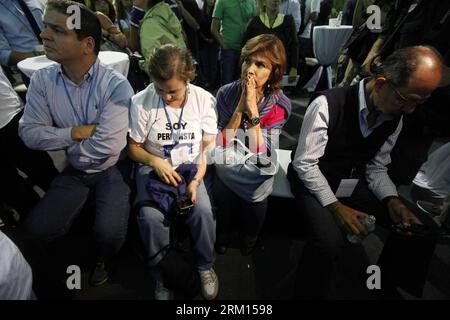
376, 170
311, 146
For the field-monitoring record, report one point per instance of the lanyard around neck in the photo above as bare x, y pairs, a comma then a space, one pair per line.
179, 119
83, 108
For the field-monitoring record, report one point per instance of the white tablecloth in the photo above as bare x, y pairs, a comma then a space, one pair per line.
116, 60
328, 42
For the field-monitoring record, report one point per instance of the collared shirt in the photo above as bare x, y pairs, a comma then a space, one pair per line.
10, 103
102, 98
16, 278
16, 33
292, 7
311, 147
364, 112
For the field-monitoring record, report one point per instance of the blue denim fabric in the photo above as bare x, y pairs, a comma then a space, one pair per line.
229, 65
54, 214
154, 227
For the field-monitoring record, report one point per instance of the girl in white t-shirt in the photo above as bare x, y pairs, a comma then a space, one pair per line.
174, 122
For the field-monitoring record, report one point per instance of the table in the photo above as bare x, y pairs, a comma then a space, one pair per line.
116, 60
328, 42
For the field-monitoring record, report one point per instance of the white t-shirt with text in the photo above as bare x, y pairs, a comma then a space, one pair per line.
149, 122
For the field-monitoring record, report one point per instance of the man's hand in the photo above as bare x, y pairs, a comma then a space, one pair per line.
348, 218
166, 172
83, 132
400, 213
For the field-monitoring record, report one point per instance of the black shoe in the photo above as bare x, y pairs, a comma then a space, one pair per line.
222, 243
98, 275
221, 248
248, 245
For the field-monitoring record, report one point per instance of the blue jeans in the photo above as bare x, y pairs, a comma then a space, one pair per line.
154, 227
229, 65
54, 214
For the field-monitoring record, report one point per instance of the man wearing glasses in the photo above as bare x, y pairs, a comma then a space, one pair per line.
339, 175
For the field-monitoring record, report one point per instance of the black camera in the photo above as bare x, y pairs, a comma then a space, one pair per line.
183, 205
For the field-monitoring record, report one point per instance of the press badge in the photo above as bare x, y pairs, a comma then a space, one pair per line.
179, 154
346, 188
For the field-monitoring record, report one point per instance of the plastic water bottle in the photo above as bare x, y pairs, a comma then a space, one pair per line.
339, 19
369, 223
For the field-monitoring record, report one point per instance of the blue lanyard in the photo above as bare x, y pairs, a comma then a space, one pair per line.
179, 120
83, 109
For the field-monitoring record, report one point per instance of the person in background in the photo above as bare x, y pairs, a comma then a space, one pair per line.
230, 18
137, 13
291, 7
309, 10
272, 21
209, 49
417, 22
19, 37
106, 15
158, 27
124, 8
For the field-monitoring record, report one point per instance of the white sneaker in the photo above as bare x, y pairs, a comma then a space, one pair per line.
161, 292
210, 283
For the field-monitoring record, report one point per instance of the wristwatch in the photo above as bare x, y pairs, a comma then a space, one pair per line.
254, 121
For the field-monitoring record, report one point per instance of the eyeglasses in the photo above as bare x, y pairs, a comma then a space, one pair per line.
406, 102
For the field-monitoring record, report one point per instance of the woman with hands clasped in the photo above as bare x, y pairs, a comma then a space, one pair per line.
252, 110
172, 124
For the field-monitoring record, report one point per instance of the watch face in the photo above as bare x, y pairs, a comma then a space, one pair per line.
254, 121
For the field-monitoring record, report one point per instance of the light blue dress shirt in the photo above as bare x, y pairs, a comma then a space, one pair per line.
16, 33
55, 105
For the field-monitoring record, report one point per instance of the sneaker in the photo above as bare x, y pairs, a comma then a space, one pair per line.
98, 275
161, 292
210, 283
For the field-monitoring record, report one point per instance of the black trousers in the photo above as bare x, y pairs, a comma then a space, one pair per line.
37, 165
232, 209
403, 262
